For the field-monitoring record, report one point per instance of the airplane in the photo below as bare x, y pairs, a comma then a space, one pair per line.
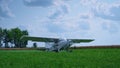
56, 44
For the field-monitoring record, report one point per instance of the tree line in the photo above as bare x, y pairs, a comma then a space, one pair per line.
11, 38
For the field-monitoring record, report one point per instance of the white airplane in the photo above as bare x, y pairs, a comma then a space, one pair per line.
56, 44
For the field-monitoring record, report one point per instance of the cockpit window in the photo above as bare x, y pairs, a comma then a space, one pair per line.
62, 39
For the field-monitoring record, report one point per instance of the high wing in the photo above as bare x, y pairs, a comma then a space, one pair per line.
39, 39
44, 39
81, 40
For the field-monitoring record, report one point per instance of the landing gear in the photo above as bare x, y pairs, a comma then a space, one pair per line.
56, 50
68, 50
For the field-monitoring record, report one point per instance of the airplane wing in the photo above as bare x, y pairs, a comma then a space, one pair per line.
81, 40
39, 39
44, 39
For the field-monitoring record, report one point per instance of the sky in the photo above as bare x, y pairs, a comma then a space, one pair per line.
81, 19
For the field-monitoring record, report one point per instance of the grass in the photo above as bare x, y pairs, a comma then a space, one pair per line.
79, 58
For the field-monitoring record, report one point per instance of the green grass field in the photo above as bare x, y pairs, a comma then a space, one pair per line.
79, 58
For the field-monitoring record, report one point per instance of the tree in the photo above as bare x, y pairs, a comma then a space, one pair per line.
24, 43
17, 33
1, 36
5, 38
13, 36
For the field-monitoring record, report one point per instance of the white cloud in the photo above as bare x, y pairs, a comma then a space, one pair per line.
106, 12
4, 9
41, 3
59, 10
110, 27
104, 9
109, 11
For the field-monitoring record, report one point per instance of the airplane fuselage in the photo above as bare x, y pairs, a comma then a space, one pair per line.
62, 44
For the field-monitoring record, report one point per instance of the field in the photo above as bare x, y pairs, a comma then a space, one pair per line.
79, 58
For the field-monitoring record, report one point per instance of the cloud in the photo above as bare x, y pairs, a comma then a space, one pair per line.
55, 14
4, 9
41, 3
59, 12
104, 9
112, 13
111, 27
106, 12
54, 28
22, 27
59, 8
84, 25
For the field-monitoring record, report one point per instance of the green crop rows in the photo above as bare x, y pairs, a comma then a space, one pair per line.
79, 58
